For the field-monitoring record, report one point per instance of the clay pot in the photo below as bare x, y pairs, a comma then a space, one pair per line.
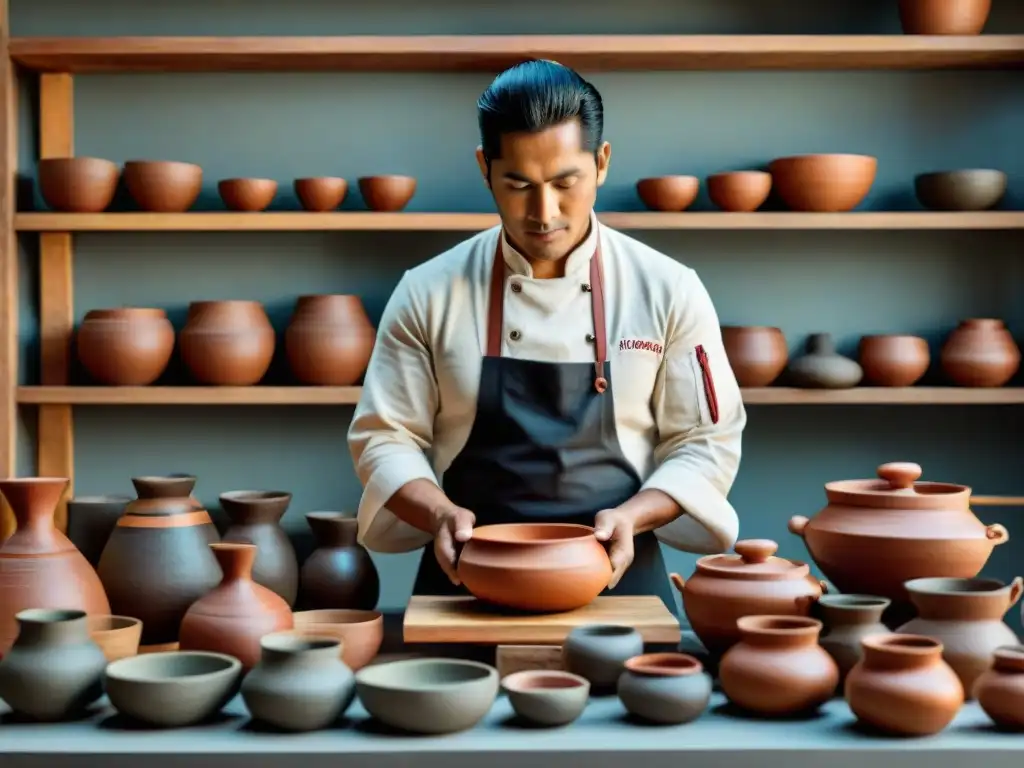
544, 567
300, 684
128, 347
778, 668
227, 343
893, 360
903, 687
725, 588
387, 193
54, 670
665, 688
321, 194
1000, 690
757, 354
117, 636
966, 616
980, 353
91, 520
597, 652
157, 561
329, 340
944, 17
972, 189
78, 184
360, 632
339, 573
247, 194
821, 367
234, 616
546, 698
739, 191
874, 535
39, 566
848, 619
671, 194
163, 186
823, 183
256, 519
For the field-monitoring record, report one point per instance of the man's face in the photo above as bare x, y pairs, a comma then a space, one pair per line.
545, 186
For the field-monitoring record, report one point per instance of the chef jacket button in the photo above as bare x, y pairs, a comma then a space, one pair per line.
591, 338
515, 335
517, 287
586, 287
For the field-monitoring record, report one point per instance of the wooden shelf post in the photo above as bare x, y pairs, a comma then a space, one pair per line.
9, 351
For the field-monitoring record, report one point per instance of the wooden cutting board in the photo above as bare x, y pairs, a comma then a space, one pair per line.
466, 620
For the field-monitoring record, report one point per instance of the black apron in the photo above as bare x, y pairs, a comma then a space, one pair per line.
544, 447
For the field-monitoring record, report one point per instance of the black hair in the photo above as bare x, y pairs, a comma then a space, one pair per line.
534, 96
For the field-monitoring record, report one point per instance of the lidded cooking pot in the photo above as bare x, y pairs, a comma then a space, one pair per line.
874, 535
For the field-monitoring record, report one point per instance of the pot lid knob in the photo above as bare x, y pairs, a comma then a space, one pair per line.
756, 550
900, 475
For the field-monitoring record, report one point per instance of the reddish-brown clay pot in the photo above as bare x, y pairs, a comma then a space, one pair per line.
78, 184
725, 588
668, 193
543, 567
903, 687
823, 183
227, 343
893, 360
163, 186
1000, 690
249, 195
757, 354
129, 346
256, 519
387, 193
874, 535
236, 614
980, 353
778, 668
739, 191
39, 566
322, 193
944, 17
329, 340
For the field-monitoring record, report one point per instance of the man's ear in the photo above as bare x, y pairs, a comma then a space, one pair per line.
481, 160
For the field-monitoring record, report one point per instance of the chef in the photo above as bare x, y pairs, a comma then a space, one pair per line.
550, 369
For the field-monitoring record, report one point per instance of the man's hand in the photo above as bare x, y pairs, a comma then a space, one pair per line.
617, 528
453, 526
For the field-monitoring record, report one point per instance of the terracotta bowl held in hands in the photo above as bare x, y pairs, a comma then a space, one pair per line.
361, 632
250, 195
671, 194
387, 193
163, 186
78, 184
944, 17
823, 183
321, 194
739, 191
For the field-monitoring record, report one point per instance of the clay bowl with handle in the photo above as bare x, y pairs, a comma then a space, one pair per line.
670, 194
163, 186
78, 184
827, 183
387, 193
537, 567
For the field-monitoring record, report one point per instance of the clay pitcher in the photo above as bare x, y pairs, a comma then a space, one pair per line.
339, 573
256, 519
233, 617
980, 353
39, 566
227, 343
848, 619
329, 340
966, 616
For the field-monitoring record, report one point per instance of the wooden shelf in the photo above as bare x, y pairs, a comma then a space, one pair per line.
350, 395
496, 52
300, 221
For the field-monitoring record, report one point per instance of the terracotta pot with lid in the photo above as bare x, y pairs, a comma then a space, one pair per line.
752, 582
874, 535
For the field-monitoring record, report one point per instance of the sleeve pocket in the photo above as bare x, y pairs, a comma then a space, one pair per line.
703, 384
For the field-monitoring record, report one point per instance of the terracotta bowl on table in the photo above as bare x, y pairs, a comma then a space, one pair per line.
78, 184
830, 183
163, 186
546, 697
361, 632
117, 636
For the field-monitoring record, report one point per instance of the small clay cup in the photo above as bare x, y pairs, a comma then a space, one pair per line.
117, 636
671, 194
546, 697
893, 360
739, 191
163, 186
971, 189
387, 193
78, 184
248, 195
322, 193
361, 632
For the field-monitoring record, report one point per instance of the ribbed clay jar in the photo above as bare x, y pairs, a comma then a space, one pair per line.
128, 346
980, 353
757, 354
329, 340
893, 360
227, 343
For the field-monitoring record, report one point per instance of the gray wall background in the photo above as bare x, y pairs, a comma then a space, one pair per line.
285, 126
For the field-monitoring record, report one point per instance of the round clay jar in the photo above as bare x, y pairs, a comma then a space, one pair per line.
1000, 690
597, 652
666, 688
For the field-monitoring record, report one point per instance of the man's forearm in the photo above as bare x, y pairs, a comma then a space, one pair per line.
650, 509
421, 504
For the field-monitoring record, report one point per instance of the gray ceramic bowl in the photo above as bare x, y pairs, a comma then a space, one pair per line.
972, 189
175, 689
432, 696
547, 697
598, 651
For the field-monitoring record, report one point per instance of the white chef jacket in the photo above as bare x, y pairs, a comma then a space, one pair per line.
420, 391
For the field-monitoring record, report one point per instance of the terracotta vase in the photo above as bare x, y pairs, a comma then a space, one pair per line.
966, 616
233, 617
725, 588
902, 686
91, 520
256, 519
157, 561
339, 573
54, 670
329, 340
129, 347
227, 343
944, 17
821, 367
980, 353
39, 566
893, 360
848, 619
757, 354
1000, 690
778, 668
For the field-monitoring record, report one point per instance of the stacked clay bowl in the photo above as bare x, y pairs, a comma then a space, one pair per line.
163, 186
823, 183
127, 346
78, 184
